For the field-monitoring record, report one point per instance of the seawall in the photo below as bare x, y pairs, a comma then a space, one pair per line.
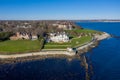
37, 54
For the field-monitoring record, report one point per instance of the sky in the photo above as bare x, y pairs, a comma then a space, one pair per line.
59, 9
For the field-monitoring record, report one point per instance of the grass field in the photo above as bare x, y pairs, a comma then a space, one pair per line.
56, 46
79, 41
83, 31
72, 33
19, 46
53, 45
74, 42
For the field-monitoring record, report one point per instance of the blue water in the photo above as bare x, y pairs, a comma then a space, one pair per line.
106, 57
110, 27
105, 61
48, 69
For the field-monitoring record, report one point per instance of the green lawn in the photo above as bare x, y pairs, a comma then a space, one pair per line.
76, 32
19, 46
74, 43
83, 31
79, 41
53, 45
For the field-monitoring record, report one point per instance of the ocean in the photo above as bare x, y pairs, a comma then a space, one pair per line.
103, 61
105, 58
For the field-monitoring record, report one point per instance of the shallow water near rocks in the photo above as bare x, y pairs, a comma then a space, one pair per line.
48, 69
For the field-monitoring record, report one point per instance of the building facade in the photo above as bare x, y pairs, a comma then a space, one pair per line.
59, 37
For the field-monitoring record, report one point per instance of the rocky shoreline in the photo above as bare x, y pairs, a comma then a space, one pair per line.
53, 54
32, 58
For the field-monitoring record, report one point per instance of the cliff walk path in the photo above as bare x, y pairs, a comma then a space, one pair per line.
54, 52
42, 53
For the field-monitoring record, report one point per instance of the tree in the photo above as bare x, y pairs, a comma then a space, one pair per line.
5, 35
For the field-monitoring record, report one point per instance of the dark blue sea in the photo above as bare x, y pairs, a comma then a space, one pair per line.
103, 61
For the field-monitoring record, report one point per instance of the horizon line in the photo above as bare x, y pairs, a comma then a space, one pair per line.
53, 19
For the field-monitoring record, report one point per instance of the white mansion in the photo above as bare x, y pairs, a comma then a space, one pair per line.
58, 37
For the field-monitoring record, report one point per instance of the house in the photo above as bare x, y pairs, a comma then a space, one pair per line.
19, 35
25, 25
26, 36
65, 26
34, 37
58, 37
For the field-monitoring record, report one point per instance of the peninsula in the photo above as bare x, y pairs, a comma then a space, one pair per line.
39, 38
